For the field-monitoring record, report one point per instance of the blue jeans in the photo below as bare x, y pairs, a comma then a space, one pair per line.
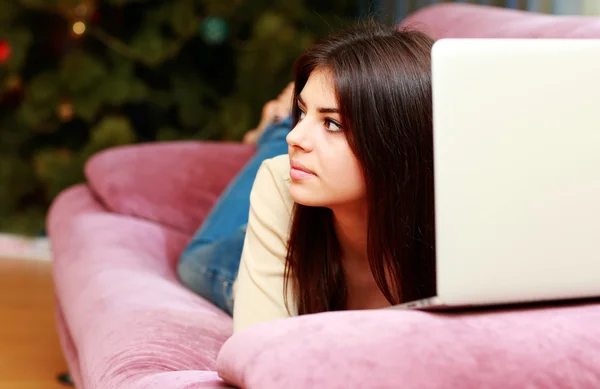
209, 264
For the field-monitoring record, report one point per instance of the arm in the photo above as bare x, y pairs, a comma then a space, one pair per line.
258, 290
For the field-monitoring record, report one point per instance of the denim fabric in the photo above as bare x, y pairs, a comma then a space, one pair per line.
209, 264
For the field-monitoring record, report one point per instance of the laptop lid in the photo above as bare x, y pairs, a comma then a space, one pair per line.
517, 169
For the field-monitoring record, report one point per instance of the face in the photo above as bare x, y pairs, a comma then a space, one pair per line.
324, 172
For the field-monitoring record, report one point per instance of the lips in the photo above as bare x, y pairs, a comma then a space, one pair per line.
298, 171
298, 166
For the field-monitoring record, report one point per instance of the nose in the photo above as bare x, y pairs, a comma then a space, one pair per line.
299, 137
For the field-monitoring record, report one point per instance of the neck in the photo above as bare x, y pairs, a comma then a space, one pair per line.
351, 224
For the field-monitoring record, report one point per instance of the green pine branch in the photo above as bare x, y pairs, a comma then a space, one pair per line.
177, 93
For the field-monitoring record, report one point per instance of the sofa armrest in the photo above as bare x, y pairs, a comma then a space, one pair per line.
547, 348
174, 184
129, 321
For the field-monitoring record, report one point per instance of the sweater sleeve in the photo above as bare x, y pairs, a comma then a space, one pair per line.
258, 291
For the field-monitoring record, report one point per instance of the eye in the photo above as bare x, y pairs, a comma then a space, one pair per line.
332, 126
302, 113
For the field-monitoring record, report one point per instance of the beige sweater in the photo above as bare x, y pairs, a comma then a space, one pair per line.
258, 289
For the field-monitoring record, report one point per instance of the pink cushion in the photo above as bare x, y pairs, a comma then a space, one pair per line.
174, 184
474, 21
551, 348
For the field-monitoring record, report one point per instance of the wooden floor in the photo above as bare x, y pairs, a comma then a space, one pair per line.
30, 355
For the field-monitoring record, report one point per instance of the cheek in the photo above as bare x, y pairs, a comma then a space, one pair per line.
343, 173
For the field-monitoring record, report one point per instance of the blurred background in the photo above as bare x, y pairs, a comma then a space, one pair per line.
80, 76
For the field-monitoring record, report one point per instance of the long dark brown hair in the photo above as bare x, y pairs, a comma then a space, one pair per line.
382, 79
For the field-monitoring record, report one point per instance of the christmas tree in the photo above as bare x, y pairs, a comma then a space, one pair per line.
80, 76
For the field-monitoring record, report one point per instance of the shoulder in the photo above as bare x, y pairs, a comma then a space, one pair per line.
272, 184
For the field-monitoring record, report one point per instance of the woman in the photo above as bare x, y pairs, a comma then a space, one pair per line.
346, 220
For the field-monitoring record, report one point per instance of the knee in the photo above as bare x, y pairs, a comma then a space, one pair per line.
183, 270
204, 266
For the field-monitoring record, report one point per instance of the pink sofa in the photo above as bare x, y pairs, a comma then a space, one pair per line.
126, 322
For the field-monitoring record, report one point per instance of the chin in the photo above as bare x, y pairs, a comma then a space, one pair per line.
311, 194
305, 196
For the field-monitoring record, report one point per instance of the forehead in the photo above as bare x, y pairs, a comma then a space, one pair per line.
319, 89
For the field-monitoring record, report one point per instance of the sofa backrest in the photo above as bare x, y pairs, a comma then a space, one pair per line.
455, 20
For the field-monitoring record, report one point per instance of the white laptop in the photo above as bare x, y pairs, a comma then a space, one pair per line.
517, 171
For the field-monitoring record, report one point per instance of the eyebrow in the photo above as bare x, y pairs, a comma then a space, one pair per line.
320, 109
